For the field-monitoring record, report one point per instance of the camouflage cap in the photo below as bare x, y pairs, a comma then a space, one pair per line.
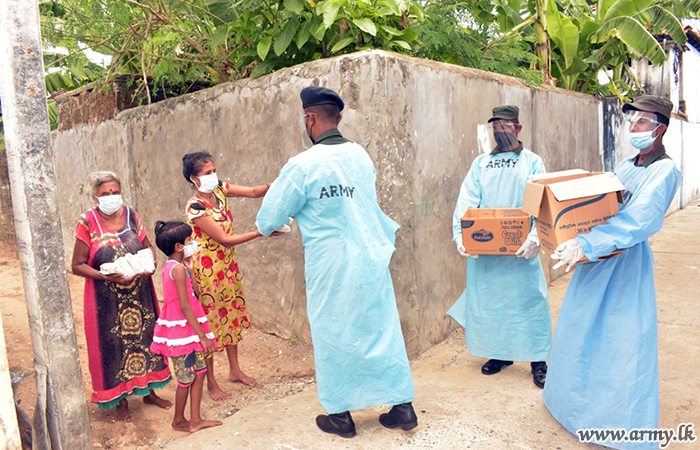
507, 112
650, 103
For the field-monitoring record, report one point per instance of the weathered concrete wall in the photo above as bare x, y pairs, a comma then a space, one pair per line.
416, 118
7, 224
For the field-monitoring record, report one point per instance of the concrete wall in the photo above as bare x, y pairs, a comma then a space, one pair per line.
7, 224
416, 118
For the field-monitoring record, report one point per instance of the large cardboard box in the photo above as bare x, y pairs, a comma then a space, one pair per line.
568, 203
494, 231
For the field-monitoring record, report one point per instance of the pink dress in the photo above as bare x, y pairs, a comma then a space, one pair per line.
172, 335
119, 319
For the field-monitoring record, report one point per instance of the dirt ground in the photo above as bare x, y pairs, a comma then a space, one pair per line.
456, 405
459, 408
282, 368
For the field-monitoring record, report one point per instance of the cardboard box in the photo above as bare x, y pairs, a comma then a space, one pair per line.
494, 231
566, 204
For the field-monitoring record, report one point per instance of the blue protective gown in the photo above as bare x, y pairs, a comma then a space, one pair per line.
359, 350
505, 308
603, 371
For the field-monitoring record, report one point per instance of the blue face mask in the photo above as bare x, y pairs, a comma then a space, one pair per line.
642, 139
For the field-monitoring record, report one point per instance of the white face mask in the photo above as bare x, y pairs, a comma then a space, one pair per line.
208, 183
189, 249
109, 204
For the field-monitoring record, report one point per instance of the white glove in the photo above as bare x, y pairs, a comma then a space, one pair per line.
568, 254
285, 228
463, 252
529, 249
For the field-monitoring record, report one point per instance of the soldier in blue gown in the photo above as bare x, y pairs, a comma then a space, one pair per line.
505, 307
604, 362
359, 350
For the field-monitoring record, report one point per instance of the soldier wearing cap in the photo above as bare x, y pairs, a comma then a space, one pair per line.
359, 350
505, 307
604, 370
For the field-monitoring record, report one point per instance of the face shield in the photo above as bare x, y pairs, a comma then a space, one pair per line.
642, 126
637, 121
498, 134
305, 139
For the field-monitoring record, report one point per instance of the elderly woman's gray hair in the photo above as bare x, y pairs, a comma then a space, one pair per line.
97, 179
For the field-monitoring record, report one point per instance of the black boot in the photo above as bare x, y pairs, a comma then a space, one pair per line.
401, 415
494, 366
539, 373
340, 424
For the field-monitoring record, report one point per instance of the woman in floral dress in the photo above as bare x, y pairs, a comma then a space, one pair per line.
215, 265
120, 313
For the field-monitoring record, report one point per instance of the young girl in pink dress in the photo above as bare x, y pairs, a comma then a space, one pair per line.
182, 332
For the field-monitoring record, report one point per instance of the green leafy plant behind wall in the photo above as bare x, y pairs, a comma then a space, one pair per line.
176, 42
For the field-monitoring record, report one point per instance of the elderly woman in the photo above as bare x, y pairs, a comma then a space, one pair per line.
120, 312
215, 264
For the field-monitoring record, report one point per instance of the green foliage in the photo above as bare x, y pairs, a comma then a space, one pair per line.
459, 32
177, 42
294, 31
74, 70
584, 37
584, 42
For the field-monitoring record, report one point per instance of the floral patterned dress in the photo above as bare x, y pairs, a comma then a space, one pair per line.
119, 319
217, 273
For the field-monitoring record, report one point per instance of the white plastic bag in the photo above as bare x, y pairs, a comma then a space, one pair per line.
124, 268
109, 269
146, 258
135, 263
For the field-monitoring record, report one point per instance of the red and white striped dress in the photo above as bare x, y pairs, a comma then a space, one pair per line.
172, 335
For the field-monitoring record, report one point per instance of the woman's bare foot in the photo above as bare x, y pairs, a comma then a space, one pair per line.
153, 399
183, 425
217, 394
202, 424
240, 377
123, 411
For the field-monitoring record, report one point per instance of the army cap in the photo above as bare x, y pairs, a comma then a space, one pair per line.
316, 95
507, 112
650, 103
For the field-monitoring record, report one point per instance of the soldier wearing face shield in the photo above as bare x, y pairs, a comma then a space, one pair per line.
604, 362
505, 307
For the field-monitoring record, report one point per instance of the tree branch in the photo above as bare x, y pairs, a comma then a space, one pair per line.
76, 52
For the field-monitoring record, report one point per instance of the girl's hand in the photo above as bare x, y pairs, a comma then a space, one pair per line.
208, 346
189, 264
